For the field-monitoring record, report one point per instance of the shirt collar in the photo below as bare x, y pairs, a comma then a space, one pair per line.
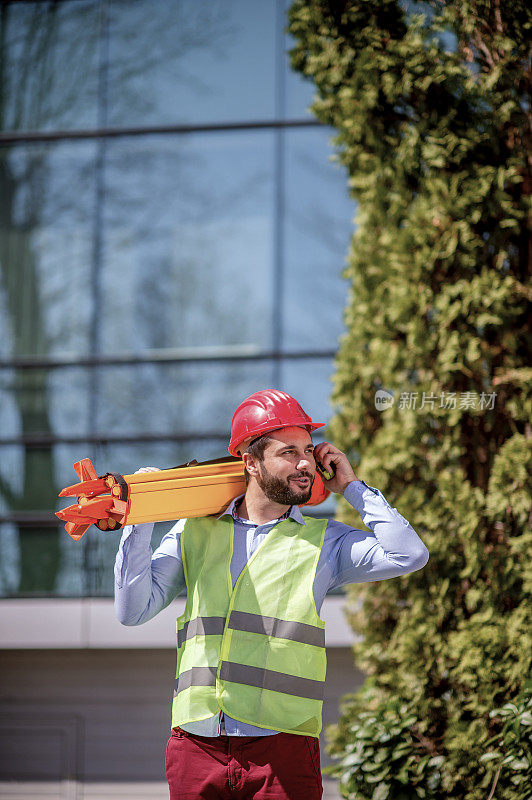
294, 512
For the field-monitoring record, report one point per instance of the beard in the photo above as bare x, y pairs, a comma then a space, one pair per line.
280, 491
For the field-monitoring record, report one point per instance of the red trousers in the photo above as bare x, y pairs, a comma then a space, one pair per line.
284, 766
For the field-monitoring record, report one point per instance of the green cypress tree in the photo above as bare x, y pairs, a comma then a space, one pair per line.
432, 111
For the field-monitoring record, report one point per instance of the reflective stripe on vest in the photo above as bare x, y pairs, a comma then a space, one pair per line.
203, 626
269, 679
279, 628
197, 676
253, 623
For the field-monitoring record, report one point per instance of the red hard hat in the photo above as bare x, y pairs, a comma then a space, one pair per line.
265, 411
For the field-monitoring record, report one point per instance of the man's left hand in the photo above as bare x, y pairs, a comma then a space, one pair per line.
327, 455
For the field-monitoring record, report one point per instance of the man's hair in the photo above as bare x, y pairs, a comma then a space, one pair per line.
256, 449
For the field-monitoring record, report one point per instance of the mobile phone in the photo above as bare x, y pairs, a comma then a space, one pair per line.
326, 475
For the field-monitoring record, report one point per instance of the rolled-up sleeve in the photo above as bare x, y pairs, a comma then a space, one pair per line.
147, 581
390, 548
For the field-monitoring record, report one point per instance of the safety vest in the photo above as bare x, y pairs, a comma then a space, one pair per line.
256, 652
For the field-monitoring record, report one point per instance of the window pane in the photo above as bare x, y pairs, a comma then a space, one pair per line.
46, 228
39, 402
29, 533
188, 242
11, 477
319, 224
298, 91
49, 64
191, 61
188, 399
10, 561
31, 476
309, 381
128, 457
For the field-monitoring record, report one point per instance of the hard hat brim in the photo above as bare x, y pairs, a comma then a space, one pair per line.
309, 426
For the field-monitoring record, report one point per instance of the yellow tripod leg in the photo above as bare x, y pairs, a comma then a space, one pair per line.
195, 491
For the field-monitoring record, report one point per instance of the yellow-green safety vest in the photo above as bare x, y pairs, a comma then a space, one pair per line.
256, 652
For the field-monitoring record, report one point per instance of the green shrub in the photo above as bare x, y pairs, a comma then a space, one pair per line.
511, 749
431, 114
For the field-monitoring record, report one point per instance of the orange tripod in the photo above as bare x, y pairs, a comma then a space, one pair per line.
192, 490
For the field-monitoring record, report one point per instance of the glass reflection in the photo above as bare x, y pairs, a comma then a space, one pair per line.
309, 381
127, 457
46, 204
187, 399
207, 61
40, 401
154, 243
188, 242
318, 228
298, 91
193, 61
46, 228
29, 543
49, 65
10, 561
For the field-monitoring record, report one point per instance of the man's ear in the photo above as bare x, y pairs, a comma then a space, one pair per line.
250, 464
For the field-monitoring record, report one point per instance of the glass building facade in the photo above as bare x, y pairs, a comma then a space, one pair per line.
172, 238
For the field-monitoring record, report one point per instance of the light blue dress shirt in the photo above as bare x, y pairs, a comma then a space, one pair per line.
146, 581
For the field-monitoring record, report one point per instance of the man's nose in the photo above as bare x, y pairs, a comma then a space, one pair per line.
305, 462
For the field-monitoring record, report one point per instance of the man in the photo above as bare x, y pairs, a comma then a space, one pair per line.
251, 651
